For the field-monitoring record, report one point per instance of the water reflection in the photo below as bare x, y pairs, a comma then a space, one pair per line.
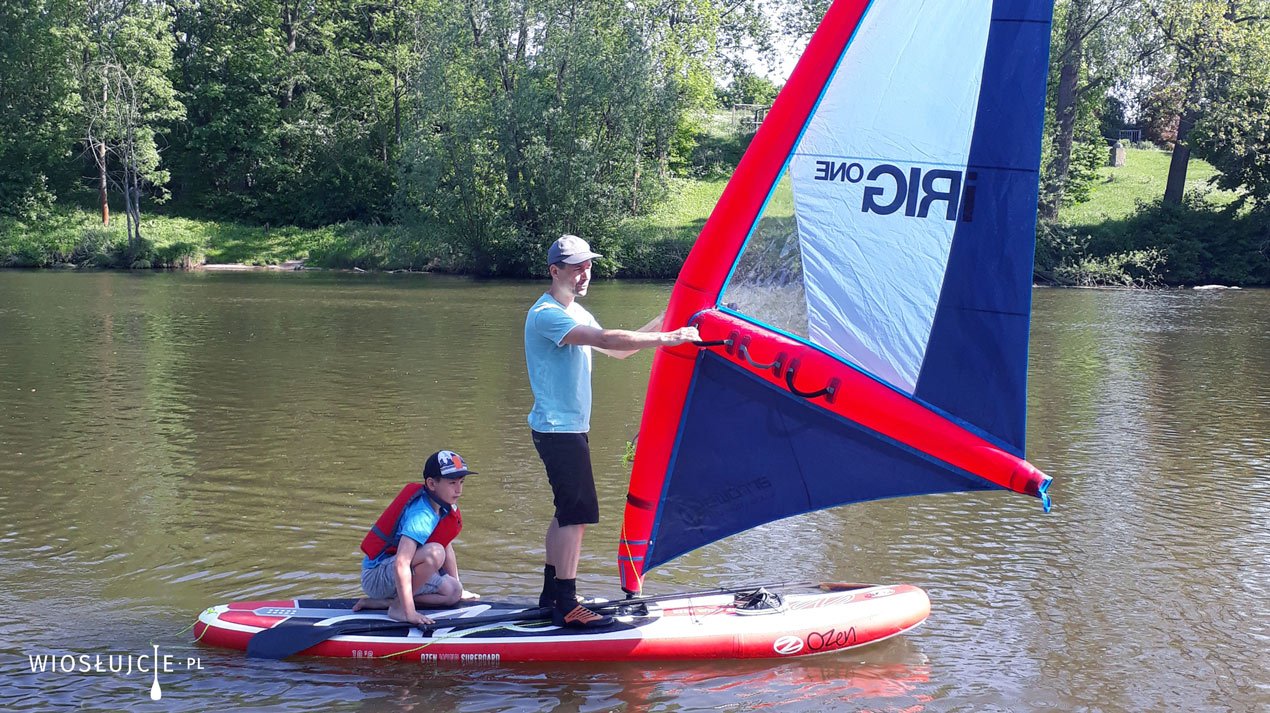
836, 683
175, 441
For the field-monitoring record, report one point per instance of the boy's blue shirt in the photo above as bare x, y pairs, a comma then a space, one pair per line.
417, 522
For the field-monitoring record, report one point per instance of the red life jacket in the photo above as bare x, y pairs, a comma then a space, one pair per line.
378, 541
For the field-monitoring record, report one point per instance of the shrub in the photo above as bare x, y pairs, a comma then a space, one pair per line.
1200, 243
182, 255
1136, 268
1204, 243
94, 247
1065, 257
656, 258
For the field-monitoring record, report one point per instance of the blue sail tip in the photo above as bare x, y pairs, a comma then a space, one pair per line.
1042, 491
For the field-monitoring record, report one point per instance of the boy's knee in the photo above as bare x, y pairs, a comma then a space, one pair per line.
452, 589
432, 554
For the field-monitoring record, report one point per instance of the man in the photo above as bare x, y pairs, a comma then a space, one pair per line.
410, 558
559, 337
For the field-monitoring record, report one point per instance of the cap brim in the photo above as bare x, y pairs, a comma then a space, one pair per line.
460, 474
580, 257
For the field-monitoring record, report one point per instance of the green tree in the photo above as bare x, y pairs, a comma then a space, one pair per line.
225, 66
1205, 49
537, 117
1084, 64
1236, 140
1234, 135
38, 104
296, 108
748, 88
128, 98
800, 18
521, 133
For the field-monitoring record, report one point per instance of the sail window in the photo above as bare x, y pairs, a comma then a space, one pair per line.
767, 282
852, 247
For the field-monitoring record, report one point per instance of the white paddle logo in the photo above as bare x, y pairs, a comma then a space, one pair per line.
125, 664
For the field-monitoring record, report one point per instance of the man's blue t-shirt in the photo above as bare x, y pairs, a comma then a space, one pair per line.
559, 374
417, 522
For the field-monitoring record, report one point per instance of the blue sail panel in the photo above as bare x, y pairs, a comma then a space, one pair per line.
979, 339
750, 453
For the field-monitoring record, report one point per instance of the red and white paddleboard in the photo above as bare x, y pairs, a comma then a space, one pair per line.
699, 626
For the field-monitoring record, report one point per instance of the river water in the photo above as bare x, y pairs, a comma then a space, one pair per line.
173, 441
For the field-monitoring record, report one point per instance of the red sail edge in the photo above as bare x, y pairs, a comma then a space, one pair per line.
704, 272
858, 396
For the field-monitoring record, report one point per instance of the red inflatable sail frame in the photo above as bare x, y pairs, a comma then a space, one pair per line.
847, 392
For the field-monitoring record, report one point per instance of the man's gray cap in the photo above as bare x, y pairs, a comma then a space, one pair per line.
571, 250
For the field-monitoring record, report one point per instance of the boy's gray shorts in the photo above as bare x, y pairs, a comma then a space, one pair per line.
380, 582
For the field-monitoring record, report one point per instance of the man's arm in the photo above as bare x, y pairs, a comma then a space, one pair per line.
654, 325
621, 343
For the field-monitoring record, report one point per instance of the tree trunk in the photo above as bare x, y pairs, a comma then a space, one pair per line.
396, 78
290, 30
524, 212
101, 161
130, 211
130, 198
131, 171
396, 112
101, 183
1175, 189
662, 143
639, 146
1065, 110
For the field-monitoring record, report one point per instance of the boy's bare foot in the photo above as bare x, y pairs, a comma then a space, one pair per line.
369, 603
398, 613
469, 596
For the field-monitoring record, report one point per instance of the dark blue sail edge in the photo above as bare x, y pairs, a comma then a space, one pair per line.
749, 453
979, 339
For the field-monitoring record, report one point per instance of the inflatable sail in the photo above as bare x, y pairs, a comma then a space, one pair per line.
867, 274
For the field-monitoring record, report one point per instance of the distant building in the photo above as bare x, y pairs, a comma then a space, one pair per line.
749, 117
1130, 134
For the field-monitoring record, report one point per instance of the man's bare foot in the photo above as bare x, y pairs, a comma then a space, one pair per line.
369, 603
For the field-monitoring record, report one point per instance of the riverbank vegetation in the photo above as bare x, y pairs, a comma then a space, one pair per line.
427, 135
1192, 76
1123, 234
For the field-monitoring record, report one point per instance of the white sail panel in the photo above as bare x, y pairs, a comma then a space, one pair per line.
880, 180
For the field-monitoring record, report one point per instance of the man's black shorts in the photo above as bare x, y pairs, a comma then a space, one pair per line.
567, 457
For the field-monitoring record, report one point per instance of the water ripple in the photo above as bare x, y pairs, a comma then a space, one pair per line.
176, 441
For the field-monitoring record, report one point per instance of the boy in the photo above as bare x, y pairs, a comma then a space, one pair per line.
420, 571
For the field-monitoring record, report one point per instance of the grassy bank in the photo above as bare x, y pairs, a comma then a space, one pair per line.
74, 236
1124, 236
653, 245
1119, 191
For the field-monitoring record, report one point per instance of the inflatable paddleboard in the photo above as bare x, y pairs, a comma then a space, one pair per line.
798, 622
